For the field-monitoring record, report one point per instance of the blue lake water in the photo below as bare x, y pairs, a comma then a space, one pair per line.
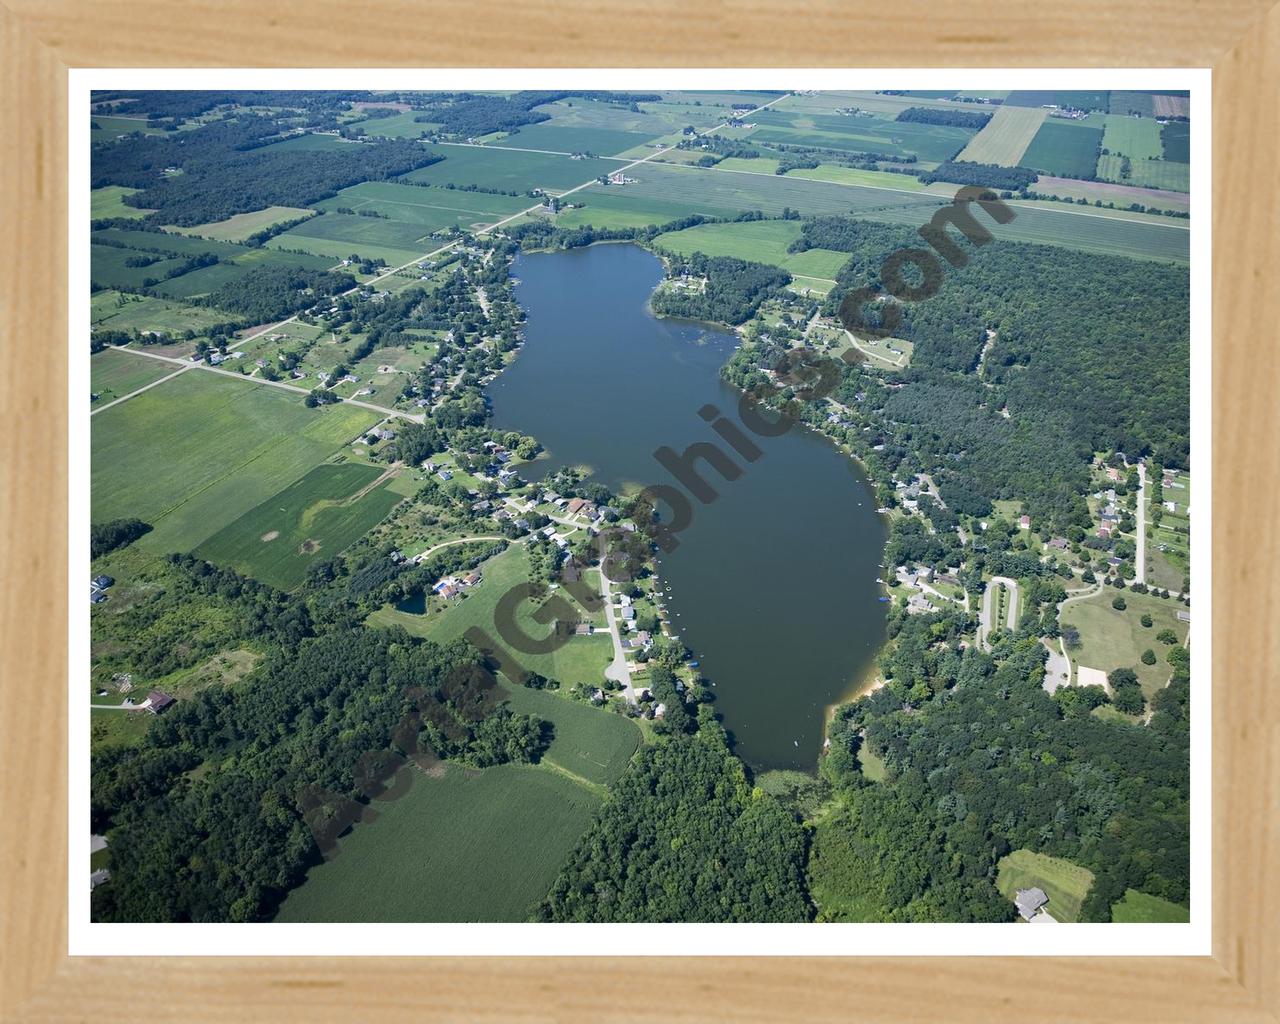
772, 585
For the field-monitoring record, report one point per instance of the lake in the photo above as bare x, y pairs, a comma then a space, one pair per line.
773, 583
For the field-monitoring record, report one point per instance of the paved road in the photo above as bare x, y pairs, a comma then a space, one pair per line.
450, 543
1140, 558
988, 608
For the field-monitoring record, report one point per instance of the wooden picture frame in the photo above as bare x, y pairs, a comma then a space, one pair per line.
41, 39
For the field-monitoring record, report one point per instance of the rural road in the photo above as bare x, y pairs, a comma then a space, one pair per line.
1140, 558
988, 608
450, 543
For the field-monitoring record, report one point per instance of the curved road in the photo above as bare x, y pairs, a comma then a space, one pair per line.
988, 602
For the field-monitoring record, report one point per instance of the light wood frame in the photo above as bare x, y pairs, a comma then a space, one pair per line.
41, 39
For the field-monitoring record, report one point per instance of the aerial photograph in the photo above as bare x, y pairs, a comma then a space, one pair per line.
639, 506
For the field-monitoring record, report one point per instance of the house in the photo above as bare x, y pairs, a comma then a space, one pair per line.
1171, 506
103, 582
659, 711
1029, 901
445, 475
1184, 616
1104, 530
583, 629
575, 506
472, 578
549, 531
157, 701
397, 557
1112, 474
643, 637
924, 572
624, 600
1059, 543
1024, 523
919, 605
629, 613
96, 596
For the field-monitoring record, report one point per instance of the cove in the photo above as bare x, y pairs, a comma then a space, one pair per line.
773, 584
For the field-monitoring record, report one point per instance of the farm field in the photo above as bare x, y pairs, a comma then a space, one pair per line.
508, 169
1111, 639
1108, 192
109, 267
197, 452
1065, 884
652, 120
1080, 100
1004, 138
1124, 102
762, 241
463, 846
120, 311
397, 126
842, 175
560, 139
1175, 139
1064, 149
106, 128
428, 207
594, 743
108, 201
113, 373
1139, 908
242, 225
313, 141
1135, 137
859, 134
316, 517
1160, 174
203, 280
580, 660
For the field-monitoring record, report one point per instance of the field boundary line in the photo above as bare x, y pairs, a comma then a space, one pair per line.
145, 387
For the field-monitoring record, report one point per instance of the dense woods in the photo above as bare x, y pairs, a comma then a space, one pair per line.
228, 167
272, 293
684, 837
974, 119
966, 172
734, 291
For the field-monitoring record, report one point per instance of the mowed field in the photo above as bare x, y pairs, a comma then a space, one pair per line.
195, 453
582, 659
859, 134
240, 226
509, 169
1065, 149
108, 201
593, 743
314, 518
109, 308
1109, 192
1112, 639
1160, 174
561, 139
1065, 884
1135, 137
1004, 138
464, 846
113, 373
761, 241
1139, 908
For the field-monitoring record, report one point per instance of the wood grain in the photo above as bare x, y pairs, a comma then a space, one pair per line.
39, 39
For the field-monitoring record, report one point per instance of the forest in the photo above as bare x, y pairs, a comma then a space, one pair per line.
975, 119
228, 168
273, 293
966, 172
290, 758
981, 761
735, 289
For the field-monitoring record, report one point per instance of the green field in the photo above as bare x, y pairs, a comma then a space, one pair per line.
1146, 173
1175, 140
1139, 908
113, 373
1108, 192
1079, 99
1066, 149
509, 169
1065, 884
846, 175
429, 208
147, 313
194, 454
1135, 137
468, 846
761, 241
109, 267
242, 225
398, 126
593, 743
1112, 639
558, 139
579, 660
104, 128
1125, 103
1004, 138
860, 134
314, 518
108, 201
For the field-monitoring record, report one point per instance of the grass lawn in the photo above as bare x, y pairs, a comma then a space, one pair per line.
1139, 908
240, 226
593, 743
314, 518
762, 241
1112, 639
117, 728
581, 659
114, 372
197, 452
467, 846
871, 763
1065, 884
108, 201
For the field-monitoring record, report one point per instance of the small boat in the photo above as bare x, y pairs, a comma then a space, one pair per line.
796, 742
882, 599
880, 581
